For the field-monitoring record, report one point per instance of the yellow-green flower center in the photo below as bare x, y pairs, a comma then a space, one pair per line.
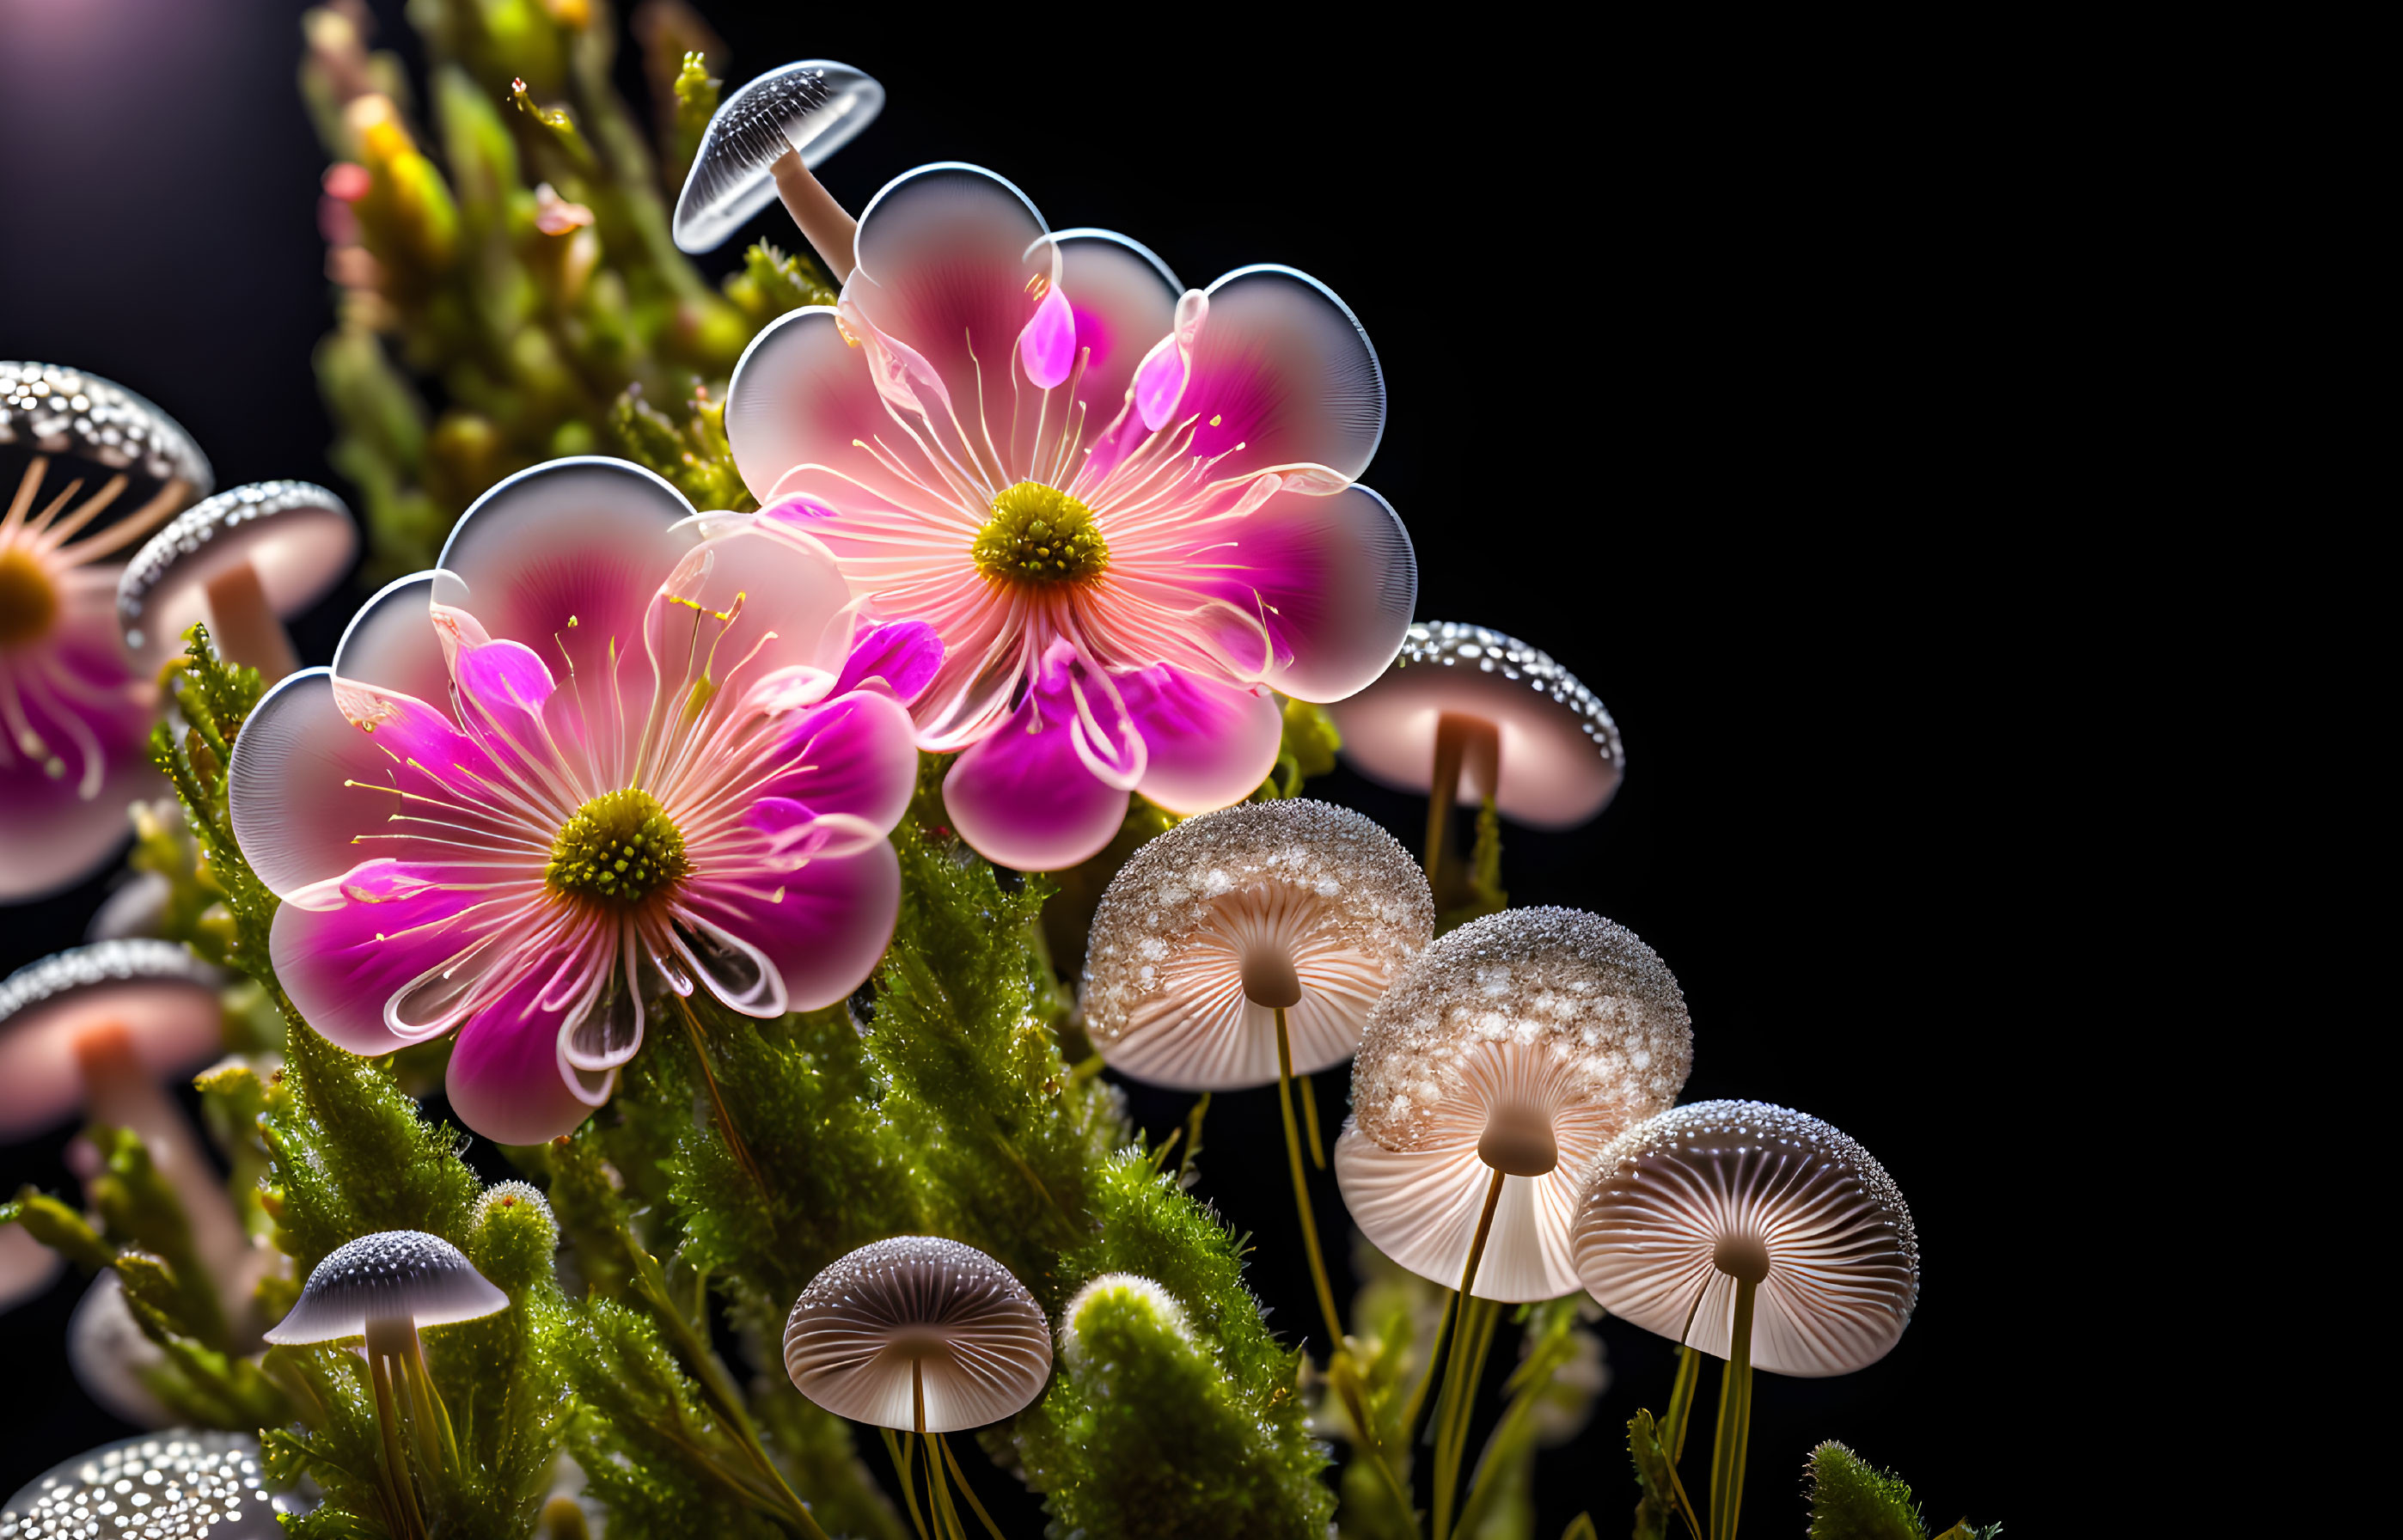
29, 602
620, 849
1040, 535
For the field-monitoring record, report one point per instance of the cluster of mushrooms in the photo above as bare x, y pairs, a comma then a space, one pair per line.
1513, 1133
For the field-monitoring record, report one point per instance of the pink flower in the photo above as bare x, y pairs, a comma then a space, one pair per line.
608, 751
74, 717
1129, 513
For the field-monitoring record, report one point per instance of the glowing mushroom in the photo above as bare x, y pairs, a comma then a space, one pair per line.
1248, 945
1756, 1235
96, 1029
923, 1334
182, 1483
387, 1288
244, 561
75, 717
763, 143
1469, 714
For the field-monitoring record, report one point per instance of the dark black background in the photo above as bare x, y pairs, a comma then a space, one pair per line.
1710, 361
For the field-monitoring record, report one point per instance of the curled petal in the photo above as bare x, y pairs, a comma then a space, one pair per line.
795, 832
898, 658
1208, 744
1047, 347
506, 1081
853, 757
823, 927
1124, 299
1159, 382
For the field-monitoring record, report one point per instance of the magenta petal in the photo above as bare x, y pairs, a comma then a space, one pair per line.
506, 1081
1048, 346
1025, 797
1125, 298
1333, 580
1210, 744
856, 755
827, 928
340, 964
63, 802
1284, 371
898, 656
313, 794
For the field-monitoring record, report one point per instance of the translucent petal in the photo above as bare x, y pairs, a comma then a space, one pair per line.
392, 642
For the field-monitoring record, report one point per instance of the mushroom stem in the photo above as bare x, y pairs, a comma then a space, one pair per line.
1459, 1382
1465, 746
822, 219
245, 625
966, 1491
399, 1493
938, 1487
1309, 1121
119, 1092
1301, 1187
1735, 1417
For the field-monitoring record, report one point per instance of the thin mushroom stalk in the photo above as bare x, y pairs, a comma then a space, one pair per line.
119, 1092
245, 625
1467, 749
830, 230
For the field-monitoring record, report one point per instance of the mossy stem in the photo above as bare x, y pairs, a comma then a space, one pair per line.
718, 1101
1449, 1414
1301, 1187
1734, 1436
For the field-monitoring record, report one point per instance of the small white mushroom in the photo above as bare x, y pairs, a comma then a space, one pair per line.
763, 142
191, 1486
385, 1288
1215, 926
244, 561
109, 1355
1685, 1209
918, 1333
127, 453
1490, 1077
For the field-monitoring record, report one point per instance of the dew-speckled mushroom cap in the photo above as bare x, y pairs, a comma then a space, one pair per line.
298, 538
815, 106
1560, 757
191, 1486
1321, 887
391, 1273
983, 1344
165, 997
1842, 1258
90, 426
1544, 1027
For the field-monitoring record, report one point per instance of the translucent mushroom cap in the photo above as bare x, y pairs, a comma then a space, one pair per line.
815, 106
1682, 1203
1228, 914
298, 538
163, 997
1561, 758
980, 1343
191, 1484
90, 426
1523, 1042
392, 1273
